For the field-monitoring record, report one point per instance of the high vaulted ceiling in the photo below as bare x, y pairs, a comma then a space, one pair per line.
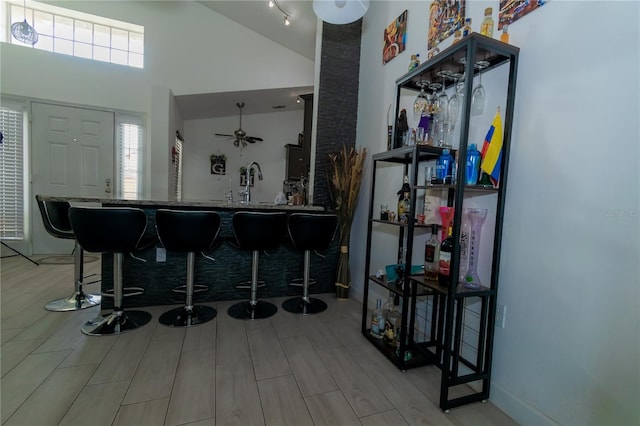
256, 15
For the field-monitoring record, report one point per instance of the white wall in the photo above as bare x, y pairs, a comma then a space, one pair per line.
189, 49
569, 273
277, 129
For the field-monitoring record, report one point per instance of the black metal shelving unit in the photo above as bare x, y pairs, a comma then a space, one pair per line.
443, 347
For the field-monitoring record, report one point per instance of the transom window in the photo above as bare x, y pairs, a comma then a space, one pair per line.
74, 33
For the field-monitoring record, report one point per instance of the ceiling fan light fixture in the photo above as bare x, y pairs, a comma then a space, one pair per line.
286, 20
340, 12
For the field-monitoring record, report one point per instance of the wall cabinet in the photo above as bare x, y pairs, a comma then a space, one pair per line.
451, 326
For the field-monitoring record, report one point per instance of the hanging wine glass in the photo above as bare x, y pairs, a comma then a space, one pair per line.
443, 99
435, 108
421, 103
455, 100
478, 95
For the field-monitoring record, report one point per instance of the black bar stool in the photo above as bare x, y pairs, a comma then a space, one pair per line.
111, 230
189, 232
309, 231
257, 231
55, 218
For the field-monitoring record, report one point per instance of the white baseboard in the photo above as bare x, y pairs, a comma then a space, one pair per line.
519, 410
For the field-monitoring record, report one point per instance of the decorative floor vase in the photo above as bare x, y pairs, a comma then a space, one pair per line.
343, 278
477, 218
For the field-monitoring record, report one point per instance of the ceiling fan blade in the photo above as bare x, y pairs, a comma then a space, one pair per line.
253, 139
222, 134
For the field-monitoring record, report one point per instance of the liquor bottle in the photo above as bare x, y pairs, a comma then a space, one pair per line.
392, 320
457, 36
486, 28
504, 37
404, 201
444, 263
377, 321
467, 27
431, 255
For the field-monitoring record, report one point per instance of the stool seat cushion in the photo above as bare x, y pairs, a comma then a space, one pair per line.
108, 229
312, 231
55, 218
259, 230
187, 231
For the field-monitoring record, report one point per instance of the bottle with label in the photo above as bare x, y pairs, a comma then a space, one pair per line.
444, 263
444, 166
432, 255
392, 320
404, 201
504, 37
457, 36
377, 321
467, 27
473, 165
486, 28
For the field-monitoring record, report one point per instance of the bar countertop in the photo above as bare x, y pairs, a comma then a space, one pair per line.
216, 204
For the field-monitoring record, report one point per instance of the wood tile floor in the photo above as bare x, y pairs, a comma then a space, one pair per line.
285, 370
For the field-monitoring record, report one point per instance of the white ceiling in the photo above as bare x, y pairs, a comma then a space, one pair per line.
299, 37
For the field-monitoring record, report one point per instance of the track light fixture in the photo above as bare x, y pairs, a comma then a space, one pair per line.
286, 14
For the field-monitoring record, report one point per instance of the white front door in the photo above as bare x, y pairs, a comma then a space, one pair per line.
72, 154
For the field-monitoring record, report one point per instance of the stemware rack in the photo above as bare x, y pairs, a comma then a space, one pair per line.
442, 342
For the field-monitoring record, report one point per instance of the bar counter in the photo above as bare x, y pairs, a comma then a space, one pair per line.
231, 266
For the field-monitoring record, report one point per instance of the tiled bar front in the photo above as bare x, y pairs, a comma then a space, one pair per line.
232, 266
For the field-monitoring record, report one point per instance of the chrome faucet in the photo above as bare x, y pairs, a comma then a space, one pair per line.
246, 194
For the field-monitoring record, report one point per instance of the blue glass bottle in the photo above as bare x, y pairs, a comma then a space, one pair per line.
472, 171
443, 166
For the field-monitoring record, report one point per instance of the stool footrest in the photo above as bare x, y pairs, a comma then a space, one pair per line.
133, 291
299, 282
197, 288
247, 285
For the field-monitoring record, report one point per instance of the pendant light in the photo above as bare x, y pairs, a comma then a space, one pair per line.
23, 31
340, 11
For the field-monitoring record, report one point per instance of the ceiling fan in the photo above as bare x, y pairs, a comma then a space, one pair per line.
240, 135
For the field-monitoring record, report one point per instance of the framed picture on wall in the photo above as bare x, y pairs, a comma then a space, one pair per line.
395, 37
243, 180
218, 164
445, 17
512, 10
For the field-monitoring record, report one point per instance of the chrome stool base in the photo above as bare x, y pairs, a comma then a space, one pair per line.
247, 311
73, 303
116, 323
297, 305
183, 317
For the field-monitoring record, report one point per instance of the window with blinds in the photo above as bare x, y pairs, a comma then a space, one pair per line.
177, 164
130, 159
12, 172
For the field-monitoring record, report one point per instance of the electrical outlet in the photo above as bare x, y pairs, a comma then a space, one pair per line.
501, 316
161, 254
